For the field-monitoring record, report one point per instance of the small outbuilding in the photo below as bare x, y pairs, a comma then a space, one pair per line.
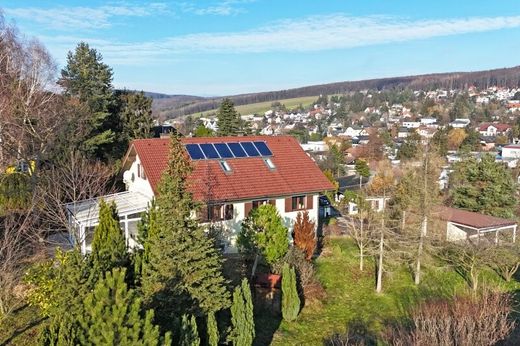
463, 225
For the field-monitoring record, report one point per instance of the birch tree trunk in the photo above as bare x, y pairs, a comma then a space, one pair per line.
424, 227
361, 248
379, 284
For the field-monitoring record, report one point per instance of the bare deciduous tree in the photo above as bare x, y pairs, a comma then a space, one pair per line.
480, 320
69, 181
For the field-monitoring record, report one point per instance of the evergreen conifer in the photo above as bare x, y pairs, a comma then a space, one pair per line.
290, 298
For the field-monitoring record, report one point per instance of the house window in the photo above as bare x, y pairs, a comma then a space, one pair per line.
259, 202
218, 212
269, 163
225, 166
298, 202
140, 171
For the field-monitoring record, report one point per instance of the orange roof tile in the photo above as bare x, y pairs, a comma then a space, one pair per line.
295, 172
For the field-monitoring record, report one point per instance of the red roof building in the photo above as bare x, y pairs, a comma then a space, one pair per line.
293, 171
233, 175
463, 224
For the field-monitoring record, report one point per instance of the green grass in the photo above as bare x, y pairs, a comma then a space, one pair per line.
22, 327
262, 107
351, 296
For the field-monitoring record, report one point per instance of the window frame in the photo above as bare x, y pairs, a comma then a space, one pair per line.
296, 204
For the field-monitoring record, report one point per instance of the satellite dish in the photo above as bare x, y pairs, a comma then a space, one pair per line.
127, 177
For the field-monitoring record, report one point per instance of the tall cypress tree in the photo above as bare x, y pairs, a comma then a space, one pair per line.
112, 316
229, 122
184, 270
108, 245
212, 327
290, 298
242, 319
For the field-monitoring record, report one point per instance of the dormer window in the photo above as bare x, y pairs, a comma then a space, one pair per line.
269, 163
225, 166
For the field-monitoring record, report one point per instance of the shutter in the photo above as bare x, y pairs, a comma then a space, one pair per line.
309, 201
272, 202
203, 213
247, 208
288, 204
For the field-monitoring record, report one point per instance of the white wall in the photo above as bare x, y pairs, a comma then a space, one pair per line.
513, 152
231, 228
138, 184
453, 233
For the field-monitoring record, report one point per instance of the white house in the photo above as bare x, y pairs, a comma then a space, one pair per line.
230, 177
494, 129
428, 121
460, 123
511, 151
411, 124
315, 146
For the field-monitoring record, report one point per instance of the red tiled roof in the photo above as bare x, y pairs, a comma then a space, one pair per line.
499, 127
472, 219
295, 172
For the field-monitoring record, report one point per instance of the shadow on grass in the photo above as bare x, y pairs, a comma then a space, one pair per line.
357, 333
20, 331
266, 325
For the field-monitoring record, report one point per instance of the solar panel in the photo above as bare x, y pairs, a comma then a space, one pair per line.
250, 149
223, 150
209, 151
237, 150
263, 149
195, 152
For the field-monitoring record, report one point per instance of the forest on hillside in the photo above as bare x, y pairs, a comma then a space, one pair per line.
176, 106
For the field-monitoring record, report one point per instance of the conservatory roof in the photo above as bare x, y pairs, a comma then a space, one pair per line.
127, 202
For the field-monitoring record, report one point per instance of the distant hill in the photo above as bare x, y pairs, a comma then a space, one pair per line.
172, 106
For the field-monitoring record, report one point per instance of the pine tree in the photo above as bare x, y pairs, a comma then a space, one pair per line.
362, 170
483, 186
290, 298
135, 114
212, 327
242, 318
112, 315
304, 234
145, 228
228, 119
184, 270
108, 245
189, 334
88, 79
263, 233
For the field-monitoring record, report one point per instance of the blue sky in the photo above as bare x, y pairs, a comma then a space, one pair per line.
223, 47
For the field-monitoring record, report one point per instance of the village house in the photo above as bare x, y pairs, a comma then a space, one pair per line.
231, 176
494, 129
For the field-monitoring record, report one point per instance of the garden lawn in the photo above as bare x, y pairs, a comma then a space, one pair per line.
351, 298
22, 327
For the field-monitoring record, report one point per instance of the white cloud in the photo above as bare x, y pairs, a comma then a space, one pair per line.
314, 33
83, 17
221, 8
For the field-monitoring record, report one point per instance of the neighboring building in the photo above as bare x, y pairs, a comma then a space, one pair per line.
411, 124
511, 151
460, 123
494, 129
315, 146
465, 225
231, 176
376, 203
